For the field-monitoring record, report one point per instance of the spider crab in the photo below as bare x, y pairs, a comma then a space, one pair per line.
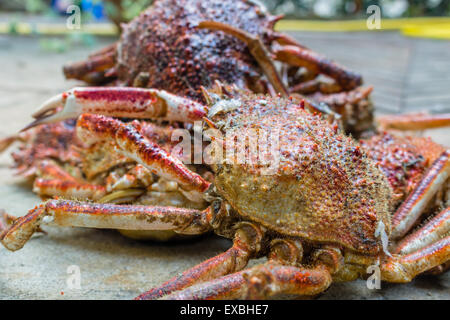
180, 46
321, 214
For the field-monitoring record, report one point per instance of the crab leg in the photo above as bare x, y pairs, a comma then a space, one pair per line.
411, 209
6, 221
246, 243
415, 121
301, 57
435, 229
110, 216
284, 39
257, 49
95, 64
261, 281
315, 85
405, 268
68, 189
6, 142
92, 128
342, 98
49, 170
119, 102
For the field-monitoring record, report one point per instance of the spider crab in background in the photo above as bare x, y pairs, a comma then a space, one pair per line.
322, 214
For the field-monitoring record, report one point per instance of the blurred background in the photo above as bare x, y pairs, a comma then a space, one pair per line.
124, 10
103, 17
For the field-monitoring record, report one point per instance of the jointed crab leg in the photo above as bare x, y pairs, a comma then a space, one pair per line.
418, 121
110, 216
119, 102
434, 230
269, 279
92, 128
246, 243
405, 268
68, 189
49, 170
342, 98
257, 49
301, 57
95, 64
411, 209
6, 142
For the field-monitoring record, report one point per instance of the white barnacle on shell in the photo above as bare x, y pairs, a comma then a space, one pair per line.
381, 233
224, 106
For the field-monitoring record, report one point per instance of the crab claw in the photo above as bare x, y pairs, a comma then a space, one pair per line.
52, 110
121, 102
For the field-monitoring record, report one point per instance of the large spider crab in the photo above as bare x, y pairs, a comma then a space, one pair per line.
180, 46
322, 214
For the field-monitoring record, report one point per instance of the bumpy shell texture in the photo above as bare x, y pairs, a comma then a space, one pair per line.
178, 57
319, 185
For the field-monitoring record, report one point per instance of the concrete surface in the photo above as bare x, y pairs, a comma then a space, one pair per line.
112, 266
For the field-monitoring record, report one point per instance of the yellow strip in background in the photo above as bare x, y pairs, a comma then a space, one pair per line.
436, 27
24, 28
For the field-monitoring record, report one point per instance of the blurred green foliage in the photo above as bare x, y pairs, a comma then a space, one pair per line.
35, 6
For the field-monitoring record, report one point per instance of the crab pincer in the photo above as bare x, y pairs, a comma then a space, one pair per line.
118, 102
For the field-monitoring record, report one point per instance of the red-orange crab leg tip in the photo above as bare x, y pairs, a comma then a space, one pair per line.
6, 221
22, 229
418, 121
411, 209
